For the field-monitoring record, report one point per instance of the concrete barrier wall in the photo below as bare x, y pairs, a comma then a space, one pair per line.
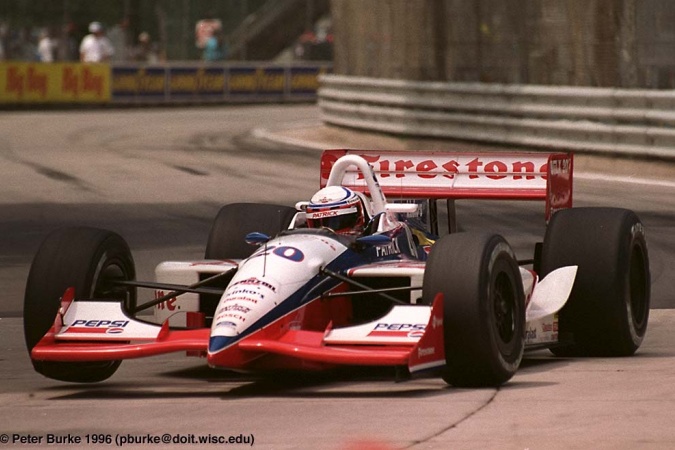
605, 120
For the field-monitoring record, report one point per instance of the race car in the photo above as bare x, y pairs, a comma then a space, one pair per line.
360, 275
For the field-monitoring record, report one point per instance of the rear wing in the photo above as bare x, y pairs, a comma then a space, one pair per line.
465, 175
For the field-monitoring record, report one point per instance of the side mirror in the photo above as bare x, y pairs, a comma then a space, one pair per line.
256, 238
405, 208
374, 240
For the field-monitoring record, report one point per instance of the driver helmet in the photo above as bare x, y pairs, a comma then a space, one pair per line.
337, 208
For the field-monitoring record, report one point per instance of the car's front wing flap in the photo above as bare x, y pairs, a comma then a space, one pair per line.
424, 351
81, 332
99, 330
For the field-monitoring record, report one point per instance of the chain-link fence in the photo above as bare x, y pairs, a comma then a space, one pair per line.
169, 23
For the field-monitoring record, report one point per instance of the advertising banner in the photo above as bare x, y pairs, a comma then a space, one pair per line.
305, 79
139, 83
130, 83
54, 83
257, 81
197, 83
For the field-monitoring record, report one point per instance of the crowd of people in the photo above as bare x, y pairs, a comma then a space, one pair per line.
50, 44
117, 44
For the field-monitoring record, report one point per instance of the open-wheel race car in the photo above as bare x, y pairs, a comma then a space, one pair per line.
360, 275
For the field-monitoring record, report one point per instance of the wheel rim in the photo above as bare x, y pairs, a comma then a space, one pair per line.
104, 286
504, 303
637, 290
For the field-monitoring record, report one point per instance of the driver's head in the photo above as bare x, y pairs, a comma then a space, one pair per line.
337, 208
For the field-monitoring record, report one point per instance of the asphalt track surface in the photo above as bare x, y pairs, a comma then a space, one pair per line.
159, 176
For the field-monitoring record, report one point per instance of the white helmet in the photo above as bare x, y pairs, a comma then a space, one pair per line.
337, 208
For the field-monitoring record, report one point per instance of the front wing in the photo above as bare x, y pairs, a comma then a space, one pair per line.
101, 331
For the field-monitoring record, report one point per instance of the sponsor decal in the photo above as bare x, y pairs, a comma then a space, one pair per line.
290, 253
54, 82
138, 81
97, 326
405, 330
255, 282
323, 214
77, 81
242, 299
560, 166
235, 307
416, 334
251, 80
387, 250
305, 79
478, 167
169, 304
226, 324
234, 312
246, 292
231, 316
203, 81
429, 351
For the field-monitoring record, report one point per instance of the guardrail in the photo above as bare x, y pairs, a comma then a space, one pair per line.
601, 120
26, 83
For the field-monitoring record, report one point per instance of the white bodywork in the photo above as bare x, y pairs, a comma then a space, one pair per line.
185, 273
253, 291
92, 320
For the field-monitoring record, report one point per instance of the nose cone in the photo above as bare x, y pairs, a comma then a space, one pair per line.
225, 354
218, 343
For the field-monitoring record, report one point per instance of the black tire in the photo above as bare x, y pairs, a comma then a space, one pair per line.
83, 258
235, 221
484, 307
608, 309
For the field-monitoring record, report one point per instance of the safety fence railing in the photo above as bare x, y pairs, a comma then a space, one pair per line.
614, 121
27, 84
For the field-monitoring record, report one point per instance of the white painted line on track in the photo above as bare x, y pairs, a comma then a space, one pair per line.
623, 179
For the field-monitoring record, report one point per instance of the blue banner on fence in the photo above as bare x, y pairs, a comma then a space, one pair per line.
138, 83
224, 83
305, 80
202, 83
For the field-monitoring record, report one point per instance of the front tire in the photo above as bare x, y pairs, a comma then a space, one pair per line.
85, 259
608, 309
484, 307
235, 221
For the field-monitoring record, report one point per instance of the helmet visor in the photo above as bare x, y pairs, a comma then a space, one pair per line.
335, 219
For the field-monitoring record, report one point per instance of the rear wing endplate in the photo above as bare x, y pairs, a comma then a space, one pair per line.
463, 175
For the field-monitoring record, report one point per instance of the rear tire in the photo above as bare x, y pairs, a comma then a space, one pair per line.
608, 309
85, 259
484, 307
235, 221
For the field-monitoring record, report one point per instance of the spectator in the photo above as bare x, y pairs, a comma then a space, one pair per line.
22, 45
145, 51
46, 47
4, 35
215, 49
302, 47
120, 37
68, 47
96, 47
